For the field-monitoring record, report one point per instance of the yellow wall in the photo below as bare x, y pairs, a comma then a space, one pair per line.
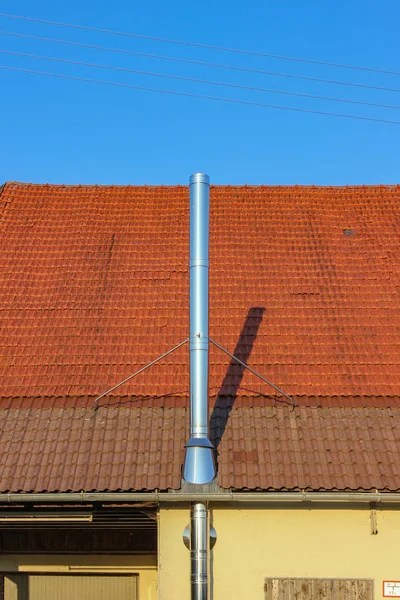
254, 543
145, 566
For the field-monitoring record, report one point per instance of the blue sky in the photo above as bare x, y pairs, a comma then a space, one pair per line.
63, 131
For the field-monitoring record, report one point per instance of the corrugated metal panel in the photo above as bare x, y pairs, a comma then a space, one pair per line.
82, 541
16, 587
71, 587
318, 589
107, 518
84, 587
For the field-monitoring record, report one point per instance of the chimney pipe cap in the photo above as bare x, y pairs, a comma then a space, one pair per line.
199, 178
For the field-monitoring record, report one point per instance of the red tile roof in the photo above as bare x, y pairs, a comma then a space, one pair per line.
304, 284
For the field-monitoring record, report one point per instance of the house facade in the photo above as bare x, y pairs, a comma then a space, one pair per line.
304, 288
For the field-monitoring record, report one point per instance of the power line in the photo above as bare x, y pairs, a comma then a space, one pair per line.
198, 45
204, 97
201, 63
194, 80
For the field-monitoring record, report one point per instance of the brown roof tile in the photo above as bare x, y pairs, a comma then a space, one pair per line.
262, 447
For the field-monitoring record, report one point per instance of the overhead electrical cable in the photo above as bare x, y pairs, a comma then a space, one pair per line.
194, 80
201, 63
201, 96
198, 45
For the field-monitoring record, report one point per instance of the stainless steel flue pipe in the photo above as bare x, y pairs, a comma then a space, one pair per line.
199, 466
199, 549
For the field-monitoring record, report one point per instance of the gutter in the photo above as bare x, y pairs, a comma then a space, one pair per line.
225, 496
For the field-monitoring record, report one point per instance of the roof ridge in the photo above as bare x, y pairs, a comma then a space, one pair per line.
90, 185
227, 186
4, 203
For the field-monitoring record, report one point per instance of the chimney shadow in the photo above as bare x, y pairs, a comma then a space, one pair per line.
234, 375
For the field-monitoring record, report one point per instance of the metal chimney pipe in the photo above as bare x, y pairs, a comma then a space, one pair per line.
199, 545
199, 466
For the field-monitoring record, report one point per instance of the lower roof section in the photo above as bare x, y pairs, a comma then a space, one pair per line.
346, 445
